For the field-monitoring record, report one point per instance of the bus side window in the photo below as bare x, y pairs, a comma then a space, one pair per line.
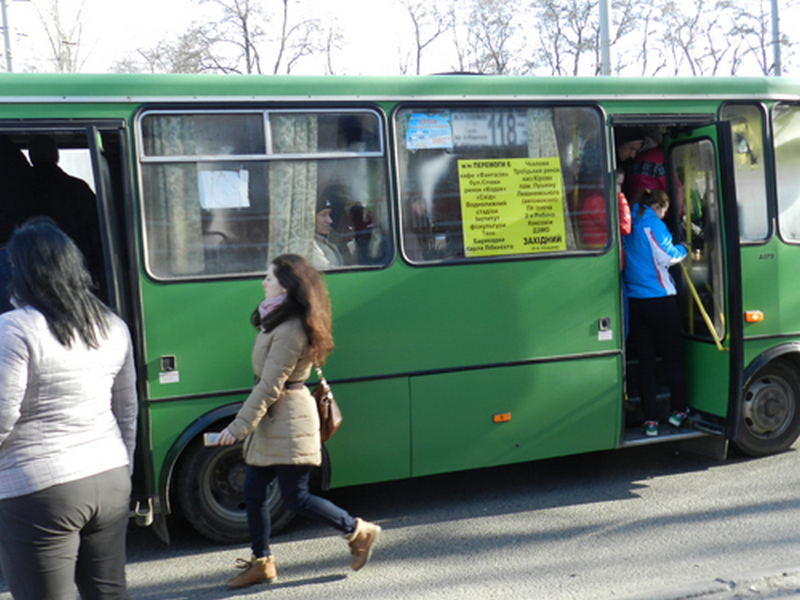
786, 125
750, 174
225, 191
486, 182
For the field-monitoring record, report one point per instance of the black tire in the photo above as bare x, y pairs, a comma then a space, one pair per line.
770, 411
209, 486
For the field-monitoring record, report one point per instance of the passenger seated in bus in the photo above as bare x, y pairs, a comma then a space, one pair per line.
325, 254
68, 200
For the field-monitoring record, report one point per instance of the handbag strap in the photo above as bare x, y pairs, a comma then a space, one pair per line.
322, 381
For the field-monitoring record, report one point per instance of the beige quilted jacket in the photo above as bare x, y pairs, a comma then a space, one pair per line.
281, 426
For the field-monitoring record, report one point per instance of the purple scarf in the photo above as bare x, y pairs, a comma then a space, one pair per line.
270, 304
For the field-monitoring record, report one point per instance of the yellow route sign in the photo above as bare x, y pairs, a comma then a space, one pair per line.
511, 206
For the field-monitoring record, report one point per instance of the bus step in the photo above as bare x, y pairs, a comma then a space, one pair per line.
706, 424
634, 436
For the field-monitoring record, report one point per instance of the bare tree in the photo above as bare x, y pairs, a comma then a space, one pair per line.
188, 54
297, 40
567, 32
485, 41
264, 32
240, 26
63, 35
333, 42
636, 40
704, 38
428, 23
752, 25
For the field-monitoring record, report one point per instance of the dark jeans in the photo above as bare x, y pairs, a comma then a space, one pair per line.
293, 484
656, 329
67, 534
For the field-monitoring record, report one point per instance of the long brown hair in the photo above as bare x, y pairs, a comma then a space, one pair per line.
648, 198
307, 299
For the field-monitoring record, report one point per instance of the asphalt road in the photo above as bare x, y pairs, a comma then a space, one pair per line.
653, 523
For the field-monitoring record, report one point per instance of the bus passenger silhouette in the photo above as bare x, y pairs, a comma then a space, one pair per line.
68, 200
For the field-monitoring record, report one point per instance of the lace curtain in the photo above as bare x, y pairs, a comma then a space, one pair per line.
292, 186
174, 228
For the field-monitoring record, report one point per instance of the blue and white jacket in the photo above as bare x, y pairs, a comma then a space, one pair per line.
649, 252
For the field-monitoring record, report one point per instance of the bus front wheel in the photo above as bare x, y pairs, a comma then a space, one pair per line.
209, 492
770, 411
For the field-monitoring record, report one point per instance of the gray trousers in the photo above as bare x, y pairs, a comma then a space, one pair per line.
68, 534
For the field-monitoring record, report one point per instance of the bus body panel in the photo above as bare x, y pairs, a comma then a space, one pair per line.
492, 417
786, 284
761, 265
374, 441
413, 320
207, 331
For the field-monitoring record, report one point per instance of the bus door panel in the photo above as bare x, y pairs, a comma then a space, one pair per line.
703, 215
108, 155
108, 147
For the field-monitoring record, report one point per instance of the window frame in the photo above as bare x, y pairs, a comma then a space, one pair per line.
265, 109
768, 162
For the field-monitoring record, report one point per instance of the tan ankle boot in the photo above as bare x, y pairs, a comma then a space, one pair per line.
361, 541
256, 570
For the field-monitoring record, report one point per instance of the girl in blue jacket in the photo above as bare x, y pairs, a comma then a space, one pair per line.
654, 317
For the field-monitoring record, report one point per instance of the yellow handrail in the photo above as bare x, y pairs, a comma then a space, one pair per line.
703, 312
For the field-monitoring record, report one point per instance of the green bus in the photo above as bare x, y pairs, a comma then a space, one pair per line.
477, 322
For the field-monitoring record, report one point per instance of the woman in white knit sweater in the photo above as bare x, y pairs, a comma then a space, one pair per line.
67, 426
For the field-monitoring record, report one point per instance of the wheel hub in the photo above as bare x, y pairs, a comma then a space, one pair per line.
769, 406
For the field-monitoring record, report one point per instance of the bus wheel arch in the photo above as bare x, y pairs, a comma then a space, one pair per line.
208, 491
770, 413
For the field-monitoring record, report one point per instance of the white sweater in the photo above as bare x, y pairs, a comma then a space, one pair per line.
65, 413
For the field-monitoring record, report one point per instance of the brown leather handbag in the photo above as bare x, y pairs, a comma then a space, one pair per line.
330, 417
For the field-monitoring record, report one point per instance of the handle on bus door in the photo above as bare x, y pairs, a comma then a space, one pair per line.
703, 312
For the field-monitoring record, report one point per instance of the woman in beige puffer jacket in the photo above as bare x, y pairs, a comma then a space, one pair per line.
279, 422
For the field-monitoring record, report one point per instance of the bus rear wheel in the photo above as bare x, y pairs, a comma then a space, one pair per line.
770, 411
210, 485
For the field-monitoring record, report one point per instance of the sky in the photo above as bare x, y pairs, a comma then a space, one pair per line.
369, 49
114, 28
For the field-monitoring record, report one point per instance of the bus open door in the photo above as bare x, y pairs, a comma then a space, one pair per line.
703, 215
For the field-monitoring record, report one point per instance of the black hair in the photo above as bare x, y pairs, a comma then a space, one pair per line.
49, 274
625, 135
43, 150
